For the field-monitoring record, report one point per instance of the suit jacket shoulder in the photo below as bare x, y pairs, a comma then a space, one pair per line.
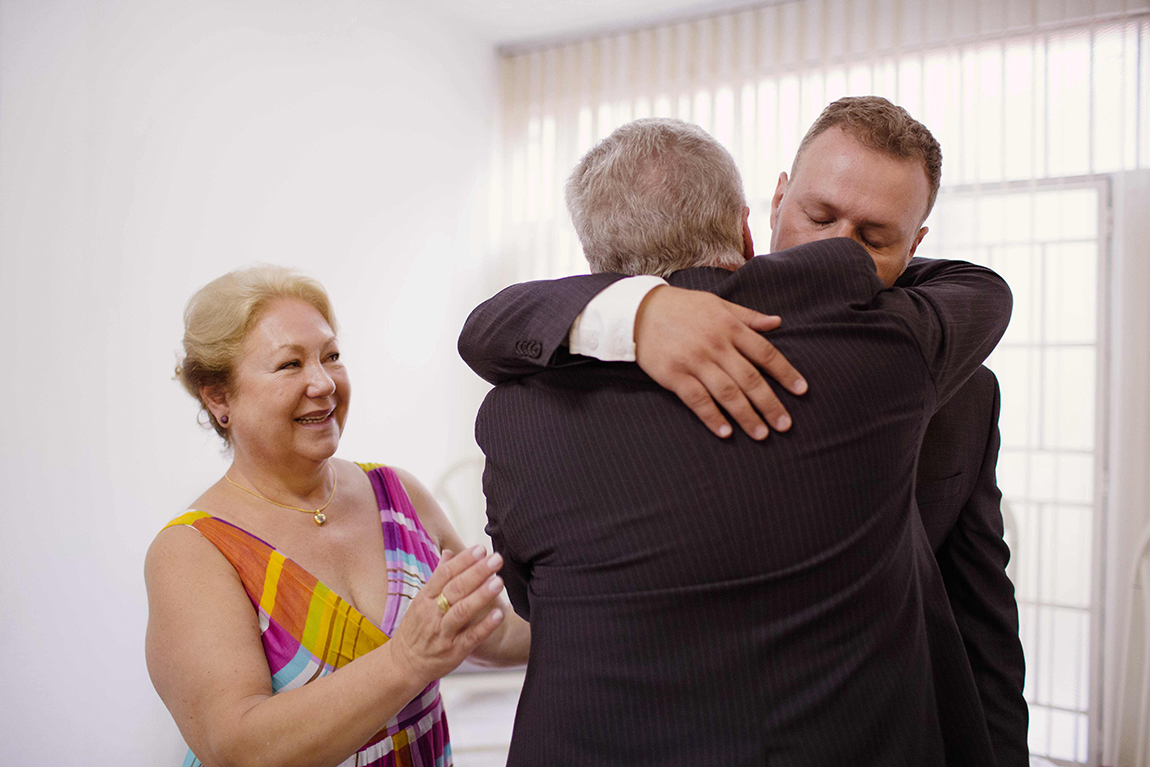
954, 311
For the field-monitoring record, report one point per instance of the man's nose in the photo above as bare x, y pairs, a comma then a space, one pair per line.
844, 229
837, 229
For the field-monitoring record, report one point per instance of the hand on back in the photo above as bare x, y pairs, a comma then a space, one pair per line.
709, 352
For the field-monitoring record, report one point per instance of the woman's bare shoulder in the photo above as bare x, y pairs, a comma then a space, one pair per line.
180, 553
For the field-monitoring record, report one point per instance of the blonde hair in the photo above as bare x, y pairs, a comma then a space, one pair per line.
884, 127
221, 314
656, 196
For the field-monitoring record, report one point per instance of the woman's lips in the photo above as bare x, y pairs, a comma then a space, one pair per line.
314, 418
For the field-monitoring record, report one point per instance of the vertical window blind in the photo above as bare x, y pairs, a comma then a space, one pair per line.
1037, 105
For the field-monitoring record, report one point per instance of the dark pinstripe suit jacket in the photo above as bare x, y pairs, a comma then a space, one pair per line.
524, 329
960, 503
697, 601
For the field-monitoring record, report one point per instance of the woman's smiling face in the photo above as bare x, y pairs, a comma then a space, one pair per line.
290, 392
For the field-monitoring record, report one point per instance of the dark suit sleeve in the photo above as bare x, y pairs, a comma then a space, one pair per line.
973, 559
523, 329
957, 311
516, 575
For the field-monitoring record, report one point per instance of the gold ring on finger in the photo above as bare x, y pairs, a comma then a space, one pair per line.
444, 605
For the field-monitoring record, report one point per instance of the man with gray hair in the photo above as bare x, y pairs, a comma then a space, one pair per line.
868, 171
701, 601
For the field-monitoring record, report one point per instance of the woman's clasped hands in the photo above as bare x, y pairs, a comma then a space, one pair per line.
451, 615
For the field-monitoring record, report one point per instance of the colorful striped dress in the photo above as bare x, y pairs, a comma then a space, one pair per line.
308, 631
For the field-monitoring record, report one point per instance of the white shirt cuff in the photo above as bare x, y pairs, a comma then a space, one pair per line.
605, 329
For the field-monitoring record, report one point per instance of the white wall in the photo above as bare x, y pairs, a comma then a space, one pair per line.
147, 146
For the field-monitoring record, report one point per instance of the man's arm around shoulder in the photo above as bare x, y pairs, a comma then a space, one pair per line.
957, 312
520, 330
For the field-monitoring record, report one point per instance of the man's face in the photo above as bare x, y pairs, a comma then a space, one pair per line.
844, 189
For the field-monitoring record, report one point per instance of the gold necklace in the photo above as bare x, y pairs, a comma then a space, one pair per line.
320, 517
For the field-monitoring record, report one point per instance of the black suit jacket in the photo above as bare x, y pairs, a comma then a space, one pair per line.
700, 601
524, 329
960, 504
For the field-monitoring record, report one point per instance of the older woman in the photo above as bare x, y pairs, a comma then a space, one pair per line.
296, 564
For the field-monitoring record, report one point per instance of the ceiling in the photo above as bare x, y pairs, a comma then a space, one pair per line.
519, 24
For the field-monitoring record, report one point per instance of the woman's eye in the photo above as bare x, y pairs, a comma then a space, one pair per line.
334, 356
286, 365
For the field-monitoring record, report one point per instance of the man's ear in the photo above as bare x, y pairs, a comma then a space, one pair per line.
215, 399
778, 198
917, 239
748, 242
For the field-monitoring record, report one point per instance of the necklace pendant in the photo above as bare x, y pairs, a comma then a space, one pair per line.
320, 518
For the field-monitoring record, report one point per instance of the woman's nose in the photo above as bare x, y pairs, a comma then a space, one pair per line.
320, 384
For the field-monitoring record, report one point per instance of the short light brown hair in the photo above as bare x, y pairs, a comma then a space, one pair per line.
885, 127
656, 196
221, 314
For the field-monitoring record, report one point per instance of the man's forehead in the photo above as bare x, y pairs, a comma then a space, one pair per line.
837, 144
837, 170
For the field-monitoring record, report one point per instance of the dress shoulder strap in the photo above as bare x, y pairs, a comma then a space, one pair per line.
187, 518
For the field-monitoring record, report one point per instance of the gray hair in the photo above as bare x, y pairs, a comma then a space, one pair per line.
656, 196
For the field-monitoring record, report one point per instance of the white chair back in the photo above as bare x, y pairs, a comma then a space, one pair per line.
1139, 597
1010, 533
1142, 583
460, 492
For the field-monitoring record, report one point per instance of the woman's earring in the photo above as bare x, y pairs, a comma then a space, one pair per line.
224, 420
